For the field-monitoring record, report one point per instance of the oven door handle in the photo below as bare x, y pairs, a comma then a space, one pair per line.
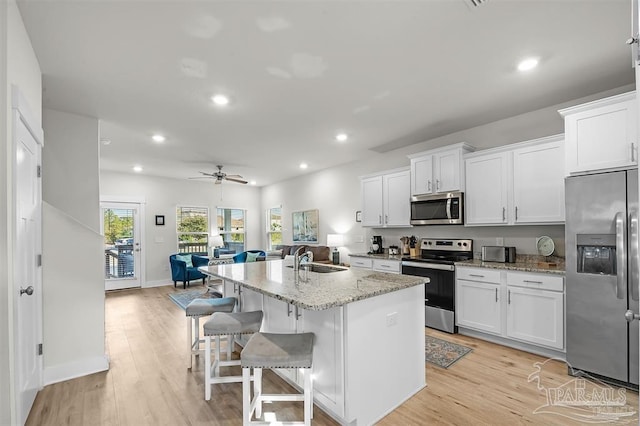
424, 265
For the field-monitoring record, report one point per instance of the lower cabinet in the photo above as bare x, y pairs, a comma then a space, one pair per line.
527, 307
479, 306
381, 265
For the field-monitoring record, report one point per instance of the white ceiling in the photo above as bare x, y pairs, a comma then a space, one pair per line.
389, 73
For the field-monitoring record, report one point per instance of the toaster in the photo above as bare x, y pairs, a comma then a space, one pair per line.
498, 254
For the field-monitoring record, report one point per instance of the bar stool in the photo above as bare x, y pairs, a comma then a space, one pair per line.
269, 350
230, 325
201, 308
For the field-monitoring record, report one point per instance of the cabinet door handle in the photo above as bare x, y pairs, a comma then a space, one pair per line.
437, 184
504, 214
508, 297
386, 218
476, 275
532, 282
429, 185
633, 152
288, 309
516, 212
496, 294
298, 314
380, 219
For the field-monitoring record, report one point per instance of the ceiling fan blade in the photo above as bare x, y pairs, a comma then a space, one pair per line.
235, 176
208, 174
233, 179
200, 177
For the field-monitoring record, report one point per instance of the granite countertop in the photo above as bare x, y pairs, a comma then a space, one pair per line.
385, 256
523, 264
312, 290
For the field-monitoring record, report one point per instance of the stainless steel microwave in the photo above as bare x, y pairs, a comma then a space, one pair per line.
438, 209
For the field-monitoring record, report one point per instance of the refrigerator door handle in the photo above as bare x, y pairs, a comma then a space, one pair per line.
621, 255
634, 250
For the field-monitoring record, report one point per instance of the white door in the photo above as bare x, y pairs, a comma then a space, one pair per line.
487, 189
28, 275
536, 316
478, 306
447, 171
121, 227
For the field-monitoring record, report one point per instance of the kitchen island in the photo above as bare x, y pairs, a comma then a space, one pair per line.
369, 330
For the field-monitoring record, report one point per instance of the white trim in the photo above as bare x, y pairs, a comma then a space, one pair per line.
19, 103
123, 199
78, 368
157, 283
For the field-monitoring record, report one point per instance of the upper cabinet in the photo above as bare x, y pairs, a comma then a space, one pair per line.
519, 184
385, 200
601, 135
438, 170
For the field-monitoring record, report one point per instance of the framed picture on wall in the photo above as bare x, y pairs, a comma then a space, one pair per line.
159, 220
305, 227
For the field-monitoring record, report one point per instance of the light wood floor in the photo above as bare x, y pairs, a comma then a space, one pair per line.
148, 383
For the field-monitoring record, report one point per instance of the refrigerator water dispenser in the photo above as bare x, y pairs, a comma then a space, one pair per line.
596, 254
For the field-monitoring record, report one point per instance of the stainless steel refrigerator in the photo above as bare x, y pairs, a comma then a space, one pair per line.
601, 236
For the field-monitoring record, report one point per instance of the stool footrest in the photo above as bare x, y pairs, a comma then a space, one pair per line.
282, 397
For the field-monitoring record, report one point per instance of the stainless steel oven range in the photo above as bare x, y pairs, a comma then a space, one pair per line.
436, 262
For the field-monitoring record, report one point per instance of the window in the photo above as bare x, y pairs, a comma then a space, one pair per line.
230, 223
193, 229
274, 227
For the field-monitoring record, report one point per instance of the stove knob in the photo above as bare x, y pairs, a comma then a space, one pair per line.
464, 244
459, 244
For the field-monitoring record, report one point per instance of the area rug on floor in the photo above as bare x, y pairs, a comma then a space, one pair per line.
183, 298
442, 353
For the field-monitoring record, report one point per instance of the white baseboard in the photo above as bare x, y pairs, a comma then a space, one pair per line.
158, 283
72, 370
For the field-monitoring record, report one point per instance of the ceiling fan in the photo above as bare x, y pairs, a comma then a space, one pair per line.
219, 176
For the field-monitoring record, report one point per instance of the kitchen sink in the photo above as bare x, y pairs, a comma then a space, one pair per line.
321, 269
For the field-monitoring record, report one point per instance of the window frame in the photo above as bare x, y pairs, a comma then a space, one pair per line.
224, 233
268, 219
206, 233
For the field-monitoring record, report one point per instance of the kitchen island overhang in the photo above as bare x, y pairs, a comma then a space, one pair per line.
369, 355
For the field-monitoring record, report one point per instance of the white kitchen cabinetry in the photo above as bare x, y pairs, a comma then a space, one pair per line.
478, 300
439, 170
385, 200
382, 265
516, 184
535, 309
516, 306
601, 135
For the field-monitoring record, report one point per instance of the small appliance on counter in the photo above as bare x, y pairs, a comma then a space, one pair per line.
405, 246
376, 245
393, 250
498, 254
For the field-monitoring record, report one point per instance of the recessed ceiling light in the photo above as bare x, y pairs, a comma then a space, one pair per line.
253, 182
303, 165
528, 64
341, 137
220, 100
158, 138
137, 168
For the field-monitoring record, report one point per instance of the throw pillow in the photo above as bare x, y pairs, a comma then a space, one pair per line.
186, 259
252, 257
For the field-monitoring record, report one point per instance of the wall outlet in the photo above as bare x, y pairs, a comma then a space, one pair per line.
499, 241
392, 319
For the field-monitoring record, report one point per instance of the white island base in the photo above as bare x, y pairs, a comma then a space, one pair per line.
369, 355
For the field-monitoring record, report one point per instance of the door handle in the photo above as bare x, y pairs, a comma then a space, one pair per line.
437, 184
496, 294
504, 214
621, 255
429, 185
288, 309
634, 252
28, 290
516, 213
508, 297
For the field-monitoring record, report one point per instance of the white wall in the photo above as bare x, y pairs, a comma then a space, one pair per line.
19, 66
162, 195
70, 166
335, 192
73, 280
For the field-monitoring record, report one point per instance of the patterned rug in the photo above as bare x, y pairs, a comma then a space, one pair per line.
183, 298
442, 353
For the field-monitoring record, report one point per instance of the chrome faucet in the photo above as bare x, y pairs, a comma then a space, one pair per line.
299, 258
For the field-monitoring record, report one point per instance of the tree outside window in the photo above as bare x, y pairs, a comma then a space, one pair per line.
231, 226
274, 227
193, 229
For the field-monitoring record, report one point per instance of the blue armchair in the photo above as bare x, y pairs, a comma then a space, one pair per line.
242, 257
181, 271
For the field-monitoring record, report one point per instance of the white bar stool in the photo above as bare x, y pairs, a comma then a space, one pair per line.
230, 325
201, 308
270, 350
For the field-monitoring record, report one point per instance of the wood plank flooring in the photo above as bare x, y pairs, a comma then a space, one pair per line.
148, 382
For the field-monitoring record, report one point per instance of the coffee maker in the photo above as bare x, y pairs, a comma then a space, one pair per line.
376, 244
